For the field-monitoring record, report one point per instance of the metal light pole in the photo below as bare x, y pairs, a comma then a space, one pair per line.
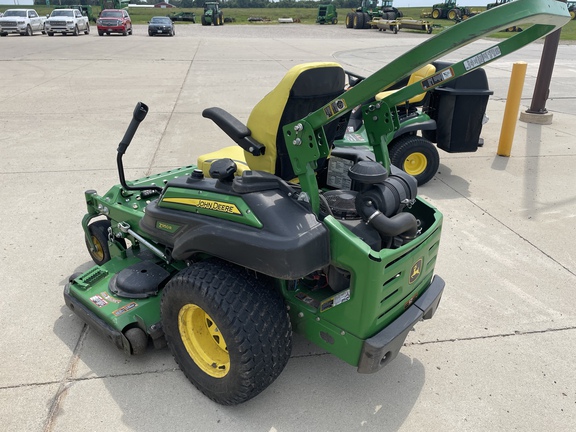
537, 113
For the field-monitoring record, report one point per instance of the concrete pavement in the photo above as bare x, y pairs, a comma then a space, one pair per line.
499, 354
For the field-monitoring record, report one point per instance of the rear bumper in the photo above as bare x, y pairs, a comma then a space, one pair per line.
382, 348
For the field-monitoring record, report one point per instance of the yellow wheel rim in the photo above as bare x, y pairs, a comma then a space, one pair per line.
435, 14
572, 14
451, 15
98, 254
415, 163
203, 341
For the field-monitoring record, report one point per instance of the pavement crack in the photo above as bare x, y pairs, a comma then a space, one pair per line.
171, 114
495, 336
62, 391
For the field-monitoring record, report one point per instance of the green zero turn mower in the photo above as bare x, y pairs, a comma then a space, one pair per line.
224, 260
449, 115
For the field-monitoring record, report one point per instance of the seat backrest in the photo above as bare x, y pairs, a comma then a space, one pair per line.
304, 89
420, 74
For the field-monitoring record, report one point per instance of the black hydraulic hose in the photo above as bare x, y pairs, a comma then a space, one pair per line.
401, 224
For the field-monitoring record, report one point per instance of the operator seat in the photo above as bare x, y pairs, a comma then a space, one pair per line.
304, 89
420, 74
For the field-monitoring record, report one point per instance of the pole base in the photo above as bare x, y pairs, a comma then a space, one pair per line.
536, 118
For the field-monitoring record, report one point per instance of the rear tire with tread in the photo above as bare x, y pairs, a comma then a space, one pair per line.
251, 335
349, 20
415, 155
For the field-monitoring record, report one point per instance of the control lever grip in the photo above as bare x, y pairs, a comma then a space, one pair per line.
139, 114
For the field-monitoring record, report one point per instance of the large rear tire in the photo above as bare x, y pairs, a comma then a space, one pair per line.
359, 20
416, 156
349, 20
229, 331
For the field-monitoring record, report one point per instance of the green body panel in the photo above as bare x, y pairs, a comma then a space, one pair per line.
196, 201
382, 287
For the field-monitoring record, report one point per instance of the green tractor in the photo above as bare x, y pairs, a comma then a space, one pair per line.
212, 14
370, 9
450, 10
327, 14
280, 233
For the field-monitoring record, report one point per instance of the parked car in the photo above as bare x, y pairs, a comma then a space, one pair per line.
114, 21
22, 21
161, 25
67, 21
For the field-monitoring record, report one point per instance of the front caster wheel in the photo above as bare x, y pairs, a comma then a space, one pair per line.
415, 155
229, 331
99, 234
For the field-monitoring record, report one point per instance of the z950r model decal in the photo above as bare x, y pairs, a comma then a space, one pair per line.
218, 206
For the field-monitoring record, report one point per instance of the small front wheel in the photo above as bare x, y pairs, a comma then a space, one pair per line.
99, 235
416, 156
228, 330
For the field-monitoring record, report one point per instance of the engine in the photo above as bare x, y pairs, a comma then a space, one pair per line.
371, 203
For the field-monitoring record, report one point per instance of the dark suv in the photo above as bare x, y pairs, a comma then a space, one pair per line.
114, 21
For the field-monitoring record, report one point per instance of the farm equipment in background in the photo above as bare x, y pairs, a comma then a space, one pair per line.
369, 10
183, 16
222, 261
402, 23
85, 9
212, 14
499, 3
572, 8
450, 10
113, 4
327, 14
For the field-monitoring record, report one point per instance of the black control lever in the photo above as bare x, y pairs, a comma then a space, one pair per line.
139, 114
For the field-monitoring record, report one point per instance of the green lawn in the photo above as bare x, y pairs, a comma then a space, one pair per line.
305, 16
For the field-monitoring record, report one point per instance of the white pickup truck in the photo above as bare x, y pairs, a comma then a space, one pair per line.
22, 21
67, 21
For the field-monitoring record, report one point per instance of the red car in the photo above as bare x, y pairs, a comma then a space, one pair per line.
114, 21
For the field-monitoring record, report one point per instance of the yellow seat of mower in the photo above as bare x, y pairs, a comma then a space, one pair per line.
420, 74
236, 153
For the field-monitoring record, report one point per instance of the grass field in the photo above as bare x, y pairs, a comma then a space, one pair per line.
271, 15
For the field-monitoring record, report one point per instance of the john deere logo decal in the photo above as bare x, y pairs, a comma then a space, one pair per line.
218, 206
415, 271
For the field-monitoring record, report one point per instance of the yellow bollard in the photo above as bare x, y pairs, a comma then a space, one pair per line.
512, 108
